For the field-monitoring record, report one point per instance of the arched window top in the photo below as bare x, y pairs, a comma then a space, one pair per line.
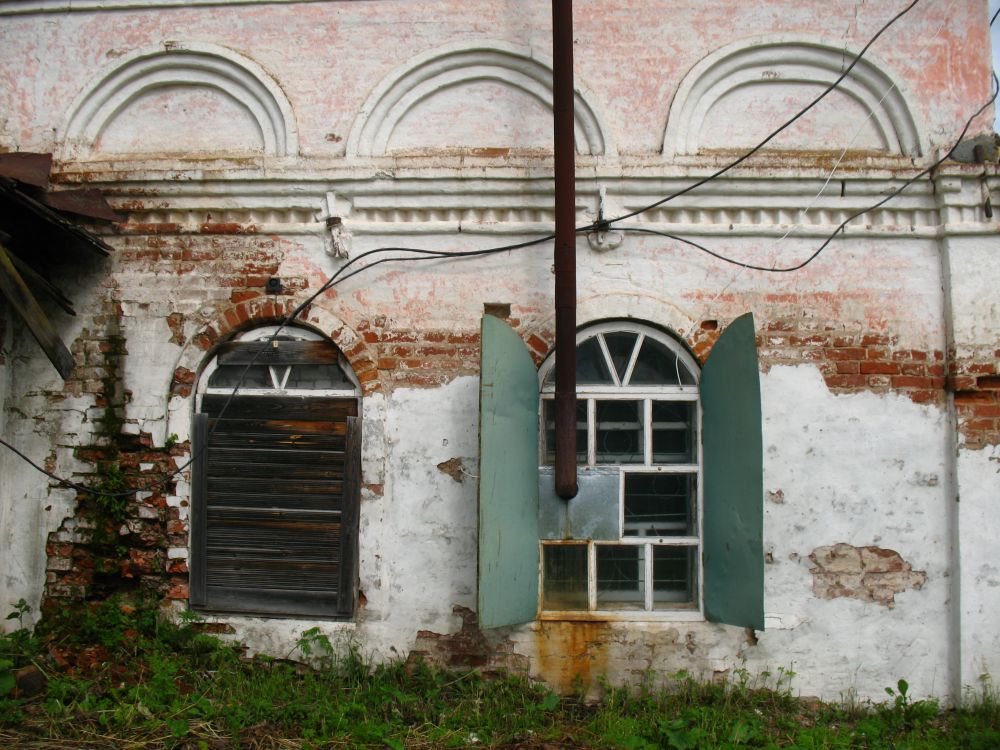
297, 362
628, 356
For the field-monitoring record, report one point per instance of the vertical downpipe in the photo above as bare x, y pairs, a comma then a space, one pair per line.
565, 250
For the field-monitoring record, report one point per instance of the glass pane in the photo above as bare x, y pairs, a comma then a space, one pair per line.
675, 576
549, 449
673, 432
620, 346
621, 572
228, 376
620, 432
317, 377
660, 505
591, 366
658, 365
565, 576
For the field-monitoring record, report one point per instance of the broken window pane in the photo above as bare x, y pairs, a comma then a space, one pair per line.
660, 505
228, 376
620, 346
549, 450
674, 576
620, 432
657, 365
621, 576
673, 432
564, 576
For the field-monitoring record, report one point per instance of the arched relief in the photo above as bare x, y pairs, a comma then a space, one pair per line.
181, 98
738, 95
484, 93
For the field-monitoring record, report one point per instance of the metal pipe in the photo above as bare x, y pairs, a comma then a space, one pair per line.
565, 249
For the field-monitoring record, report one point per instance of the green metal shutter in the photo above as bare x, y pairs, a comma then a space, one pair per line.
734, 479
508, 479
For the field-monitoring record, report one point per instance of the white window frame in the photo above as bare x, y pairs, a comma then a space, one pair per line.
647, 394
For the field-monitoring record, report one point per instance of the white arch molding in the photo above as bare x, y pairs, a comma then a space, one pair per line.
456, 64
768, 63
189, 66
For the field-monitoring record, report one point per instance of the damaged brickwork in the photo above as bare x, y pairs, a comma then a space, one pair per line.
467, 648
870, 574
975, 379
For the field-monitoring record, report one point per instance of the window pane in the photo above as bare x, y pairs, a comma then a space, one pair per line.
621, 576
673, 432
228, 376
674, 576
660, 505
620, 432
549, 449
620, 346
317, 377
591, 366
565, 576
658, 365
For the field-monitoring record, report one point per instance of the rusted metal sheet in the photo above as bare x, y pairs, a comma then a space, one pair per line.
34, 219
20, 298
27, 168
593, 513
87, 202
508, 478
732, 445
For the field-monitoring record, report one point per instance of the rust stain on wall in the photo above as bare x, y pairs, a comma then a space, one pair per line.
572, 655
871, 574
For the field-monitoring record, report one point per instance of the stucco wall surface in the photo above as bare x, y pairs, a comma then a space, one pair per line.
248, 142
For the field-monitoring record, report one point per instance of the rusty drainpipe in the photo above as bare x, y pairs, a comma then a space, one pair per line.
565, 250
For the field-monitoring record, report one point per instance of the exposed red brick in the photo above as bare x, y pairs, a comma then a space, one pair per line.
846, 381
973, 397
842, 353
988, 382
879, 368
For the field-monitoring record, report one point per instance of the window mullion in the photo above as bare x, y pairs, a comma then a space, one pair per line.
647, 431
591, 432
608, 362
591, 576
631, 361
648, 564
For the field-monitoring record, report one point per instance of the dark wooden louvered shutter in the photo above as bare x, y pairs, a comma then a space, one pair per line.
279, 521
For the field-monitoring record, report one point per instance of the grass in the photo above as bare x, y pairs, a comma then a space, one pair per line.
120, 677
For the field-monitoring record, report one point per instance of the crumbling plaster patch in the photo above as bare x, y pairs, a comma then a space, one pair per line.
871, 574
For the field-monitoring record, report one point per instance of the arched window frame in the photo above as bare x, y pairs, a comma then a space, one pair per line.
686, 390
282, 478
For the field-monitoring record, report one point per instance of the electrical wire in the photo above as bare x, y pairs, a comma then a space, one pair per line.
840, 227
739, 160
418, 254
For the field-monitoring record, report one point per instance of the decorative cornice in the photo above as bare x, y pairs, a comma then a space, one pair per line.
515, 203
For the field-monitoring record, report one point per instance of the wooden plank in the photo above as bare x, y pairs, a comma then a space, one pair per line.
273, 602
280, 456
281, 407
275, 486
19, 297
331, 501
199, 515
349, 581
280, 427
279, 441
219, 469
278, 353
508, 478
40, 283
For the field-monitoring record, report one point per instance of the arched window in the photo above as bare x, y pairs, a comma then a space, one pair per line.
275, 482
633, 540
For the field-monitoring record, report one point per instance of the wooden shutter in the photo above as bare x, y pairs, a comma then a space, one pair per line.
276, 512
733, 455
199, 504
508, 479
348, 592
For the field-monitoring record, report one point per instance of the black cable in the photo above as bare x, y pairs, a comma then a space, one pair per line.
599, 225
845, 222
995, 16
736, 162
